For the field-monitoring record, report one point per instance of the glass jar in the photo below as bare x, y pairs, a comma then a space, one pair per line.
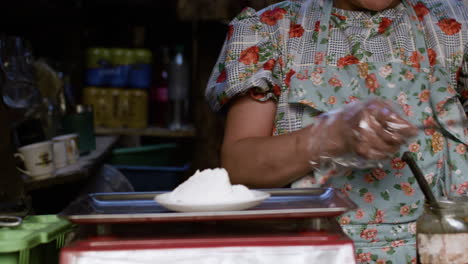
442, 233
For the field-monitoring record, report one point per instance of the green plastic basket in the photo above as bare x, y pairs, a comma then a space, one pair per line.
168, 154
38, 239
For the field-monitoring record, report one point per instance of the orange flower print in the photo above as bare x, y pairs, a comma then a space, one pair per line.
424, 95
398, 243
268, 66
461, 149
359, 214
347, 60
404, 210
222, 76
351, 99
449, 26
379, 173
319, 56
451, 90
296, 31
407, 189
385, 71
287, 80
339, 16
415, 59
345, 220
249, 56
317, 26
230, 31
372, 82
430, 124
379, 217
432, 57
369, 234
364, 257
368, 197
276, 90
271, 17
384, 24
332, 100
421, 10
381, 261
437, 142
414, 147
281, 62
368, 178
398, 164
409, 75
408, 110
335, 82
316, 78
363, 69
462, 189
440, 106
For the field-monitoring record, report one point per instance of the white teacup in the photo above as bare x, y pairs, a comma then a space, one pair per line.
71, 146
38, 159
60, 153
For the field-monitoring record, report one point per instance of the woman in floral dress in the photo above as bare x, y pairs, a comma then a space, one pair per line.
282, 67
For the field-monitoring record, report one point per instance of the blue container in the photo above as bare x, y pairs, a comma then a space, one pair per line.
140, 76
152, 178
119, 76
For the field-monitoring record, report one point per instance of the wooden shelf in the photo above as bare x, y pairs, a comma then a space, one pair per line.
149, 131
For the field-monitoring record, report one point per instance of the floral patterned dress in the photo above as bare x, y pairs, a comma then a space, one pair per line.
312, 58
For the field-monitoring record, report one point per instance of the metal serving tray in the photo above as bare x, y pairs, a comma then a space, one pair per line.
141, 207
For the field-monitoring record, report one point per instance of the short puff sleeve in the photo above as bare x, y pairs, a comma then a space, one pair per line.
250, 61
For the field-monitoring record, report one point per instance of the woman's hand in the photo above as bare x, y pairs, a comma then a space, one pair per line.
362, 131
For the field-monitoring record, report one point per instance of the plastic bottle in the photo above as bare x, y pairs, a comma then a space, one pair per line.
179, 78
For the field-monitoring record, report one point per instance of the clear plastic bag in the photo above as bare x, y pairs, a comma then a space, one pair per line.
358, 136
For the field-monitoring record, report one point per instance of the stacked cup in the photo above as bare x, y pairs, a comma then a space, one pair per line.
41, 159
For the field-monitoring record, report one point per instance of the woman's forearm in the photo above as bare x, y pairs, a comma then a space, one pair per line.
266, 162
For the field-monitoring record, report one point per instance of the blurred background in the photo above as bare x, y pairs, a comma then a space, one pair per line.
132, 72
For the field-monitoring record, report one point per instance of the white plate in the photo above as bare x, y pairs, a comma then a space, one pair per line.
163, 199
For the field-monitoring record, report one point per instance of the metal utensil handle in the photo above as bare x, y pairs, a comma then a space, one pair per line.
425, 188
9, 221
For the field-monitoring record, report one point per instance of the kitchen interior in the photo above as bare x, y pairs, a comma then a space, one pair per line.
111, 93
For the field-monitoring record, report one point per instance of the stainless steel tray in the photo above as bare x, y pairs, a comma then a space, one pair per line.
141, 207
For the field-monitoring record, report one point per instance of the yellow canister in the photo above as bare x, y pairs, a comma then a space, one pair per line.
139, 109
115, 116
101, 109
124, 107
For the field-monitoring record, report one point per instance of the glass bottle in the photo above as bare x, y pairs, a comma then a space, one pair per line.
442, 233
179, 83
